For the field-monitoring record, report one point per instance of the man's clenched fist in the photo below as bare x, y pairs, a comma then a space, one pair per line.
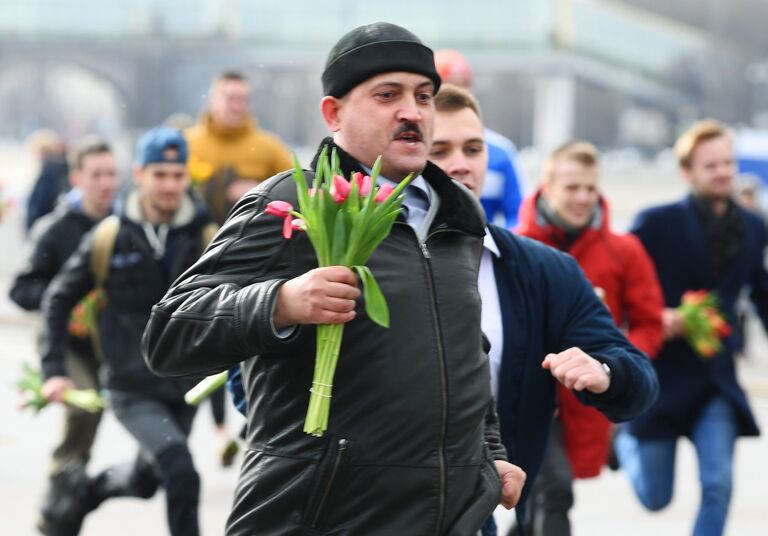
577, 370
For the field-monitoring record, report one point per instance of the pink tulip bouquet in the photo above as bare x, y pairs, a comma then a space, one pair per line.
345, 220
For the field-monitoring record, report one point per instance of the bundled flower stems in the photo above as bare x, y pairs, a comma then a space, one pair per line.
31, 387
205, 388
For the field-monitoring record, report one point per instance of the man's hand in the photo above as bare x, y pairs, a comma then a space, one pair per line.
672, 323
320, 296
54, 387
577, 370
512, 481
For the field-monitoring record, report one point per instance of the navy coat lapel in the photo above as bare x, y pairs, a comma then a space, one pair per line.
514, 317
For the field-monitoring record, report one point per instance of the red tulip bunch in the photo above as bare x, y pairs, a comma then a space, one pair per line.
705, 326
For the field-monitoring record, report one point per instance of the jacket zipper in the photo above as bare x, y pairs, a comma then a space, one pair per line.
337, 461
444, 382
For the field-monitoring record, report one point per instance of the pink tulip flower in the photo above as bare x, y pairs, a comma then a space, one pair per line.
340, 189
385, 190
287, 227
279, 208
363, 183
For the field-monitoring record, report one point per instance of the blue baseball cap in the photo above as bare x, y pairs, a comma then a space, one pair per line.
152, 147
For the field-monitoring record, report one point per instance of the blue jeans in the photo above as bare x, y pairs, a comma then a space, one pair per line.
650, 465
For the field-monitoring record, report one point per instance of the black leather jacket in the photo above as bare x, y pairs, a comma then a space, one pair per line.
412, 433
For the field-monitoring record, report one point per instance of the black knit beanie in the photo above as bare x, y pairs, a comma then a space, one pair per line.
373, 49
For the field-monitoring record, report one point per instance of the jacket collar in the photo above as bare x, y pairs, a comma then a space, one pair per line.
458, 207
490, 244
534, 225
185, 214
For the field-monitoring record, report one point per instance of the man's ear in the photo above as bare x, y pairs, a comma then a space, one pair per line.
74, 178
330, 108
544, 187
138, 174
686, 174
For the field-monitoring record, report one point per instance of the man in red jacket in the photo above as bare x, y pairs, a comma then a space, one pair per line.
568, 212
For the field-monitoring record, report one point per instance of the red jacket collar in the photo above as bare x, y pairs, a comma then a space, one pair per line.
533, 225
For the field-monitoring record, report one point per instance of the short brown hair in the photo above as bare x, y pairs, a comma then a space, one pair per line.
579, 151
452, 98
237, 76
698, 133
87, 146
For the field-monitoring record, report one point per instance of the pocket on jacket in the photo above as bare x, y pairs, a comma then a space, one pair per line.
329, 473
270, 494
485, 497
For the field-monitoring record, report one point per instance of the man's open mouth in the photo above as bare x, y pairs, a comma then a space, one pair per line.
409, 136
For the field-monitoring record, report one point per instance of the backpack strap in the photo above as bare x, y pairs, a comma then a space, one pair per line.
103, 245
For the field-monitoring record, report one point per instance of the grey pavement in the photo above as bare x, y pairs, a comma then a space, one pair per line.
604, 506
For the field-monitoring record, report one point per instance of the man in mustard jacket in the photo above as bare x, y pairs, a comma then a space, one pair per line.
229, 153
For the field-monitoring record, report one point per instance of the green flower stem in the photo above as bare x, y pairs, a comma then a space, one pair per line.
205, 388
85, 399
342, 234
328, 346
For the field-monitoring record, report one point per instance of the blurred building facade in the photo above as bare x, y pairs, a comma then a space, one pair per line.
619, 73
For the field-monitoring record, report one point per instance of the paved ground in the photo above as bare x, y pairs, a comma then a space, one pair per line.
605, 506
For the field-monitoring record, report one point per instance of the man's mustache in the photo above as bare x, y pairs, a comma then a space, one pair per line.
410, 128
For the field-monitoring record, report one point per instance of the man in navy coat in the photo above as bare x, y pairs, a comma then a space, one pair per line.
544, 320
702, 242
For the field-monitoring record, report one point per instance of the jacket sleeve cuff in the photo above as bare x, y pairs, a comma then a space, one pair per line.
283, 333
51, 368
492, 437
616, 388
254, 318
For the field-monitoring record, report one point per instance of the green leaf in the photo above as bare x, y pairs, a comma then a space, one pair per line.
372, 235
335, 164
395, 199
376, 169
352, 202
375, 303
339, 239
318, 180
301, 184
328, 213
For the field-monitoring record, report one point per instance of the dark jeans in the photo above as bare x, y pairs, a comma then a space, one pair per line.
161, 429
552, 495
